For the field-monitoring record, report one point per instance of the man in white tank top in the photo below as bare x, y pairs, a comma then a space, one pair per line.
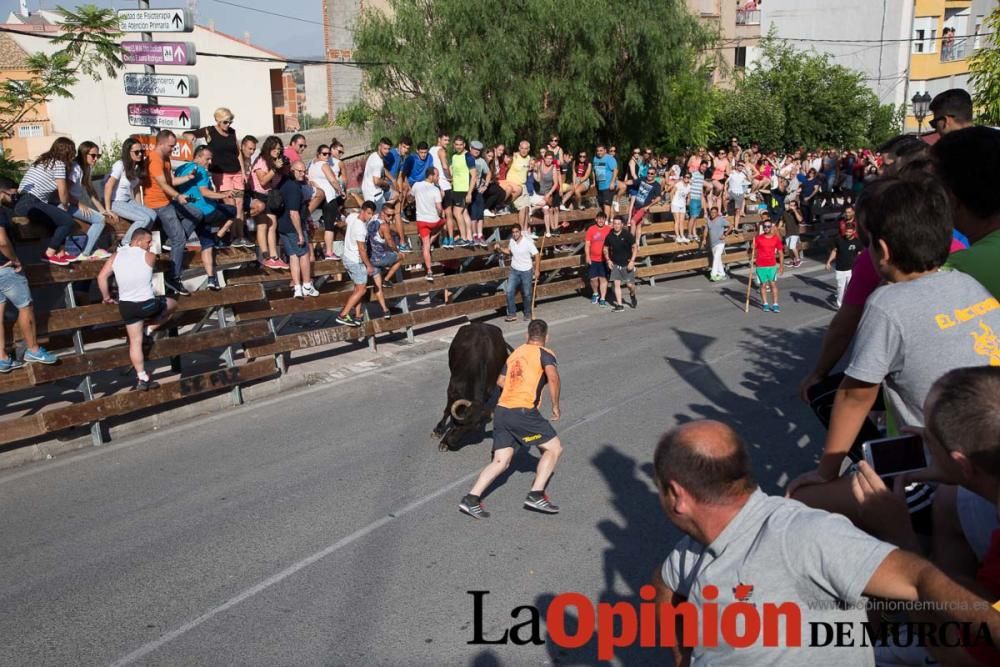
142, 311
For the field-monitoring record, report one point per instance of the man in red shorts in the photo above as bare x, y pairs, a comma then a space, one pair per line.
648, 192
769, 263
427, 196
594, 251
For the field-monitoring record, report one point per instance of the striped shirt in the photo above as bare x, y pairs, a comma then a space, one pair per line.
40, 181
697, 185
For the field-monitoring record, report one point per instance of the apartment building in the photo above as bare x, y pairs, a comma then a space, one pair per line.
738, 25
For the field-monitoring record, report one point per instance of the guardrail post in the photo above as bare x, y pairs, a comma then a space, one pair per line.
649, 259
86, 386
227, 355
279, 358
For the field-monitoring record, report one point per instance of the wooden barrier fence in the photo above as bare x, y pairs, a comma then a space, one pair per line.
221, 341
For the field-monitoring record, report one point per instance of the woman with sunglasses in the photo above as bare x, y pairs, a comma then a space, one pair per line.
121, 187
81, 187
581, 181
322, 178
267, 174
227, 163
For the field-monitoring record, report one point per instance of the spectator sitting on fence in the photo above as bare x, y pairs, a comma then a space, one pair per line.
647, 193
430, 216
293, 232
14, 288
357, 263
47, 179
217, 209
81, 187
228, 167
266, 175
143, 311
384, 251
322, 178
122, 184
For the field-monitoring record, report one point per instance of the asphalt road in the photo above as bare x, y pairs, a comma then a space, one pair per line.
321, 527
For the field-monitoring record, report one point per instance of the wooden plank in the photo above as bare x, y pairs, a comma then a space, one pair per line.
671, 247
64, 319
26, 230
688, 265
48, 274
126, 402
114, 357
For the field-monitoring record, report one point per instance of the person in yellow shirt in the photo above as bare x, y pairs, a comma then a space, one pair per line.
517, 421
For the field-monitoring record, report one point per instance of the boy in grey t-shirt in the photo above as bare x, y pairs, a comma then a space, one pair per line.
715, 230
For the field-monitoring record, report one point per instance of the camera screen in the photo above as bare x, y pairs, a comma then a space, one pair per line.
895, 455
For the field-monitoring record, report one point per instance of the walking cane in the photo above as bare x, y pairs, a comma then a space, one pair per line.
538, 271
753, 257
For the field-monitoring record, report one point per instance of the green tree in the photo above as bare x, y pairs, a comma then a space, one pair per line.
89, 47
503, 70
821, 103
984, 70
749, 115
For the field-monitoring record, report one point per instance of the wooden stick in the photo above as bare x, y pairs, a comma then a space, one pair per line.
534, 282
753, 257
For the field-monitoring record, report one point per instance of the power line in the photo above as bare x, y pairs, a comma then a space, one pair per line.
283, 16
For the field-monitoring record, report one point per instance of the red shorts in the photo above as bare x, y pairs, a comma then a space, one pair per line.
638, 214
425, 229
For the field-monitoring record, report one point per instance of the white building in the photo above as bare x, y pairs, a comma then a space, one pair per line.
316, 90
97, 110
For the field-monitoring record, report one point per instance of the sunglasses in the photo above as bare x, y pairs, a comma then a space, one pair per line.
96, 156
325, 154
226, 122
135, 151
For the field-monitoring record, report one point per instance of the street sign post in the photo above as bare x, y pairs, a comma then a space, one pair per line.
161, 85
183, 150
158, 53
155, 20
164, 117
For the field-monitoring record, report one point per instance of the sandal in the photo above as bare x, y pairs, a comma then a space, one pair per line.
510, 318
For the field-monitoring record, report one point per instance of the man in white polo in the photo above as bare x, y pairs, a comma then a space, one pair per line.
522, 251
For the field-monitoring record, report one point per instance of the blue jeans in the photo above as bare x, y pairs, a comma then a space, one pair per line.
33, 208
141, 216
178, 221
14, 288
96, 221
522, 279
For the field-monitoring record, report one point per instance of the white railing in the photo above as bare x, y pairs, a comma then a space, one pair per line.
744, 17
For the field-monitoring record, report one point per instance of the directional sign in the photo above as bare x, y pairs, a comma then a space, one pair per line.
183, 151
158, 53
169, 118
161, 85
155, 20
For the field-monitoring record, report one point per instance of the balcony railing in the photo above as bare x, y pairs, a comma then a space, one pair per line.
744, 17
954, 51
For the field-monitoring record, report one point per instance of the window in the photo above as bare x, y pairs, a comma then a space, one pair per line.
29, 131
740, 58
924, 32
978, 42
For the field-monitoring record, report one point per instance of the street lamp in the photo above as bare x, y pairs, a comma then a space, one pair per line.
921, 105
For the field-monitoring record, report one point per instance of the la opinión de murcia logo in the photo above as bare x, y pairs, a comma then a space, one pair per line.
739, 624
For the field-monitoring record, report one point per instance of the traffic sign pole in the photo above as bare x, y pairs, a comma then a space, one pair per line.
149, 69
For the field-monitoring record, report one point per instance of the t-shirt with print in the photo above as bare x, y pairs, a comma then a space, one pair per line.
596, 236
524, 376
620, 247
681, 191
905, 328
356, 232
776, 551
767, 249
192, 189
604, 167
291, 192
154, 196
378, 247
981, 261
847, 252
716, 229
647, 193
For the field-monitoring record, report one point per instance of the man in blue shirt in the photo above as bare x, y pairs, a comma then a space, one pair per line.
414, 170
216, 209
648, 192
394, 164
605, 173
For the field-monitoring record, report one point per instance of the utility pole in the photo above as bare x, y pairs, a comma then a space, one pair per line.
149, 69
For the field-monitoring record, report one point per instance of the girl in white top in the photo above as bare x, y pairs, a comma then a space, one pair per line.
121, 186
678, 208
81, 187
323, 177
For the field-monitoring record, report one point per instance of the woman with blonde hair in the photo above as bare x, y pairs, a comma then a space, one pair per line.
48, 179
227, 166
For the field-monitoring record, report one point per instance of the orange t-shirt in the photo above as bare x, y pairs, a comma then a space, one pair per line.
524, 376
153, 195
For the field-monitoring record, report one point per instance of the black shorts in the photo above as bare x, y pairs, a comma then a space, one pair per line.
597, 270
605, 197
331, 213
520, 426
140, 311
456, 199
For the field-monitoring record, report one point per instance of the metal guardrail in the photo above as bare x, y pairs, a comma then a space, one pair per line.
751, 17
954, 51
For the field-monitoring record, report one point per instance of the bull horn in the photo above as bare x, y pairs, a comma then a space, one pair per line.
459, 404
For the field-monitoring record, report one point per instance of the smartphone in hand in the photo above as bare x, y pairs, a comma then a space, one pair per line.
894, 456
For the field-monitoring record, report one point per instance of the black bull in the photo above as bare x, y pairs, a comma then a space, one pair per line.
477, 354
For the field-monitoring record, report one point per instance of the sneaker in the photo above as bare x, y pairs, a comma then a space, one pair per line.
593, 299
602, 303
797, 263
635, 302
279, 263
245, 243
100, 254
146, 385
213, 284
40, 356
310, 290
618, 308
59, 259
176, 286
473, 508
680, 239
429, 277
766, 307
297, 294
563, 207
775, 308
534, 236
220, 244
462, 243
9, 364
269, 263
347, 321
332, 257
481, 242
540, 503
489, 214
165, 247
404, 247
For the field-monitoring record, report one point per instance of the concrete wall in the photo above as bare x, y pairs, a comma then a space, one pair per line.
317, 102
98, 109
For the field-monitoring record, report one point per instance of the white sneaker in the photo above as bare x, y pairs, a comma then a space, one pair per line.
563, 208
309, 290
298, 292
489, 214
534, 236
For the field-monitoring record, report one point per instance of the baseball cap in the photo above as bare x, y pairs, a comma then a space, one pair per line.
476, 145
